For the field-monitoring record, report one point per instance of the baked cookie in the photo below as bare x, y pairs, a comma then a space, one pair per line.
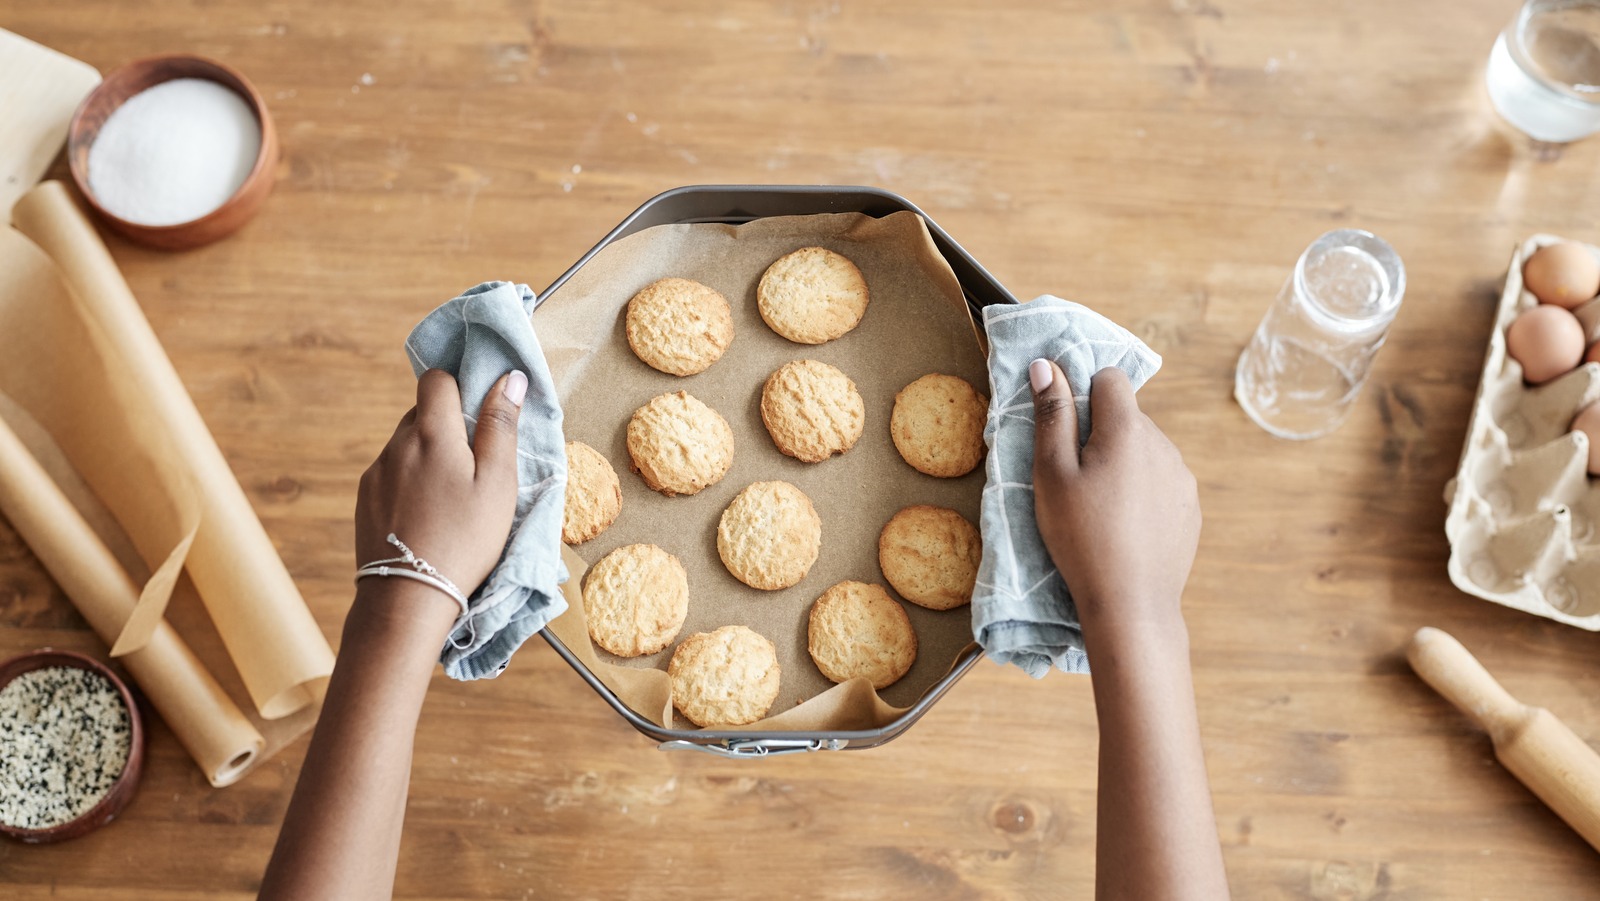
769, 535
856, 629
930, 555
812, 410
937, 425
812, 296
635, 600
678, 444
724, 678
594, 496
679, 326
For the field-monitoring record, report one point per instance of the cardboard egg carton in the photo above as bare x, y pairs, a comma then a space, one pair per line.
1524, 521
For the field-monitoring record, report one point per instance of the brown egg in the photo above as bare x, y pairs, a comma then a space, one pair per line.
1564, 274
1547, 341
1593, 356
1588, 422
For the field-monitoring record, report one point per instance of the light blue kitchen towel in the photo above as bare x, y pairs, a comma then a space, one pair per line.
478, 337
1021, 610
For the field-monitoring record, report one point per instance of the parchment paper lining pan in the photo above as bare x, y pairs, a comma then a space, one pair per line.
918, 321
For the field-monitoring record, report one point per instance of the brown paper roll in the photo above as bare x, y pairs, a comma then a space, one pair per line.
65, 374
279, 651
207, 724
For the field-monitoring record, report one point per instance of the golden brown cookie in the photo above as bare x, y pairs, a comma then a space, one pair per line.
856, 629
679, 326
769, 535
724, 678
812, 410
937, 425
812, 296
678, 444
594, 496
930, 555
635, 600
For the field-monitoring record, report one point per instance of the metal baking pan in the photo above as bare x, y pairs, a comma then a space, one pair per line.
735, 204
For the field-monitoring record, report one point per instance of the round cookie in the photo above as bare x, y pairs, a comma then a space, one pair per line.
937, 425
812, 410
930, 555
635, 600
594, 496
855, 630
679, 326
769, 535
678, 444
724, 678
812, 296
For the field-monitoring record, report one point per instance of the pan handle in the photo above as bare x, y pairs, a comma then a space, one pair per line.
757, 747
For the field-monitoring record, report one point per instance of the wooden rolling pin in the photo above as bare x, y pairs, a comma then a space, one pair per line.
1552, 761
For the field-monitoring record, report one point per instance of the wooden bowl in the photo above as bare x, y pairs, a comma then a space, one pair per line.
140, 75
123, 789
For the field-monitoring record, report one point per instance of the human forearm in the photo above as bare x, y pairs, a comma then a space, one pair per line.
450, 502
341, 836
1120, 515
1157, 835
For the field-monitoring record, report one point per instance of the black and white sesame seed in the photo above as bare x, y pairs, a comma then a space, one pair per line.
64, 740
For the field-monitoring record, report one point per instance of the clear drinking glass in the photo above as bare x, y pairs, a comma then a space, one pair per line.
1310, 356
1544, 71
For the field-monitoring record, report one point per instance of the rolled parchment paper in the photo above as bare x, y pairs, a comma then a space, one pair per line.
206, 722
280, 653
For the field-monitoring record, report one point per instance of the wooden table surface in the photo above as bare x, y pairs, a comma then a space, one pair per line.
1163, 162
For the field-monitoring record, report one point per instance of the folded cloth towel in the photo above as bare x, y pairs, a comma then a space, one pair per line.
478, 337
1021, 611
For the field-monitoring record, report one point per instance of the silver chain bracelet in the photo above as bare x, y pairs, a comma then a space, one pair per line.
419, 570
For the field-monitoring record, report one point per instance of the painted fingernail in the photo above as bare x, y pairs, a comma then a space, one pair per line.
516, 387
1040, 375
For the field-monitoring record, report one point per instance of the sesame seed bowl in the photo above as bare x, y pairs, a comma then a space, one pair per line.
71, 746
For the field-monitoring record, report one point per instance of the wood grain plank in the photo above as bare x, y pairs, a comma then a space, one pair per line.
1161, 160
